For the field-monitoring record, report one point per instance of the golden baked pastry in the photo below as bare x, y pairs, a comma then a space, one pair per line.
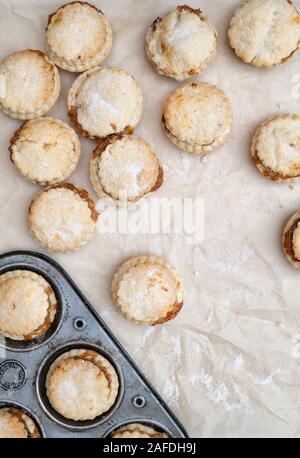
105, 101
125, 167
82, 385
291, 240
16, 424
45, 150
265, 33
62, 218
197, 118
78, 36
31, 84
147, 290
27, 305
181, 44
138, 431
276, 148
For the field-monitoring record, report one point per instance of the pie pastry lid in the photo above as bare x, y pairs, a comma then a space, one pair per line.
182, 44
104, 102
264, 33
276, 148
28, 305
291, 240
16, 424
82, 385
79, 37
45, 150
62, 218
40, 89
137, 431
125, 167
147, 290
197, 118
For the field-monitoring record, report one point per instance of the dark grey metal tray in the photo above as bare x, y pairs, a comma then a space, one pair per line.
23, 366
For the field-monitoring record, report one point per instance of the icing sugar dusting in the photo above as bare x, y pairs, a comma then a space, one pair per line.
238, 362
170, 391
231, 397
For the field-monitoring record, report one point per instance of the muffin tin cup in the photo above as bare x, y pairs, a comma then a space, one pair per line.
153, 424
34, 418
44, 401
29, 345
24, 368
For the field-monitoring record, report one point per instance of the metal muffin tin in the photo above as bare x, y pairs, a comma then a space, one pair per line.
24, 365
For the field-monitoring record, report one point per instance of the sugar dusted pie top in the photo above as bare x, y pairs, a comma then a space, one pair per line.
62, 218
182, 44
276, 148
79, 37
45, 150
27, 305
82, 385
197, 117
147, 290
265, 32
31, 84
105, 101
125, 167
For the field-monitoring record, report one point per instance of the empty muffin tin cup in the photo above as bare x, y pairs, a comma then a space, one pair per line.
42, 393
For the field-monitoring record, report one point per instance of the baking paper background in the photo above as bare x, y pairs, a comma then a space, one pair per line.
227, 365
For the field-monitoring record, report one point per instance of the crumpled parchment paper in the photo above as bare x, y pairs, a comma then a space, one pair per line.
228, 364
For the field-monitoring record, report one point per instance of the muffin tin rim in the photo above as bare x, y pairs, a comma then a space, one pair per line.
157, 407
40, 341
43, 400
